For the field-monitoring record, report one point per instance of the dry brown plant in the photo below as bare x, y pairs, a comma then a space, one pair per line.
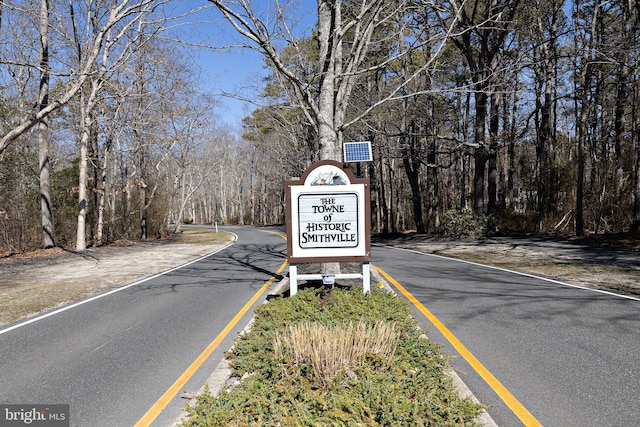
330, 350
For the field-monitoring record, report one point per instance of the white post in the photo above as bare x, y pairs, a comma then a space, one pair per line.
366, 277
293, 279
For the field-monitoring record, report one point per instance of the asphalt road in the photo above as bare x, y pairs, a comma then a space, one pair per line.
113, 357
570, 356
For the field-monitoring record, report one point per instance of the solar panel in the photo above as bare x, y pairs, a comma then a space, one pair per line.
357, 151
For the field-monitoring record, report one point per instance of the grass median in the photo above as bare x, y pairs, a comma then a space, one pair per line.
336, 357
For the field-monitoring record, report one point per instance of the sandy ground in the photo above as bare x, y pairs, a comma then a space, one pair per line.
604, 264
40, 281
33, 283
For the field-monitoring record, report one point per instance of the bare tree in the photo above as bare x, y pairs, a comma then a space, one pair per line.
121, 38
103, 34
195, 153
482, 31
586, 40
46, 209
345, 36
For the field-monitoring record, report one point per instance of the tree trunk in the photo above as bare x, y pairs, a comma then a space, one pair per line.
328, 21
582, 106
492, 178
144, 200
480, 161
46, 208
635, 135
412, 168
81, 230
479, 155
622, 97
87, 104
510, 163
582, 134
102, 191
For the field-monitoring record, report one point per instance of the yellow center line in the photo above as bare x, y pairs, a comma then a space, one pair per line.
518, 409
168, 395
277, 233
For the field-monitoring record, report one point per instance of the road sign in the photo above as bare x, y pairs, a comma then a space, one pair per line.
328, 216
328, 220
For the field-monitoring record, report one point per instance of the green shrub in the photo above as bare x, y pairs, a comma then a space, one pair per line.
512, 221
466, 223
404, 387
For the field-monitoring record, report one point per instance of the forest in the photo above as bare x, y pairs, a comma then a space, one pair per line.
485, 116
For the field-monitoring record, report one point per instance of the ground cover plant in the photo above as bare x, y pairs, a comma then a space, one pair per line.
332, 357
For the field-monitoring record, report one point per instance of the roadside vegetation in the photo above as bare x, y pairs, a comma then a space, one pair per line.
336, 357
516, 117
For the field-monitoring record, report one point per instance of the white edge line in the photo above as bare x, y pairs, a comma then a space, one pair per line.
69, 307
532, 276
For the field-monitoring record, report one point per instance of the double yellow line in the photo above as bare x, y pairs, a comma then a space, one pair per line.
518, 409
179, 384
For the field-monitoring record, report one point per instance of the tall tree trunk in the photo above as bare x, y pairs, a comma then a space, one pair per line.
621, 103
144, 195
81, 229
463, 181
102, 190
480, 152
46, 208
582, 135
464, 162
622, 95
480, 162
392, 205
510, 163
94, 161
87, 105
492, 177
433, 213
383, 197
635, 136
328, 21
411, 164
547, 29
585, 76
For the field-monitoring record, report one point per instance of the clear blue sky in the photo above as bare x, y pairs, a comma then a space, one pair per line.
230, 72
241, 69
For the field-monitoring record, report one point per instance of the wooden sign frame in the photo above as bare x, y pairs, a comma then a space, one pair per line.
343, 184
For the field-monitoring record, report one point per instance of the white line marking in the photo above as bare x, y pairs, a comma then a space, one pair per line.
69, 307
532, 276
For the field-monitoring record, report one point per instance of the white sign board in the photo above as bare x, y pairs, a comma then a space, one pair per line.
330, 221
328, 216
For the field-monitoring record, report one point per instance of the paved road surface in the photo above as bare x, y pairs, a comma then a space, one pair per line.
569, 355
113, 357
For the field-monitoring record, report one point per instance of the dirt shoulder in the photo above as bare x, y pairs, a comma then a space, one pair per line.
43, 280
37, 282
608, 263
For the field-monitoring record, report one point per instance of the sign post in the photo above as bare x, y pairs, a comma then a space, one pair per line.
328, 220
